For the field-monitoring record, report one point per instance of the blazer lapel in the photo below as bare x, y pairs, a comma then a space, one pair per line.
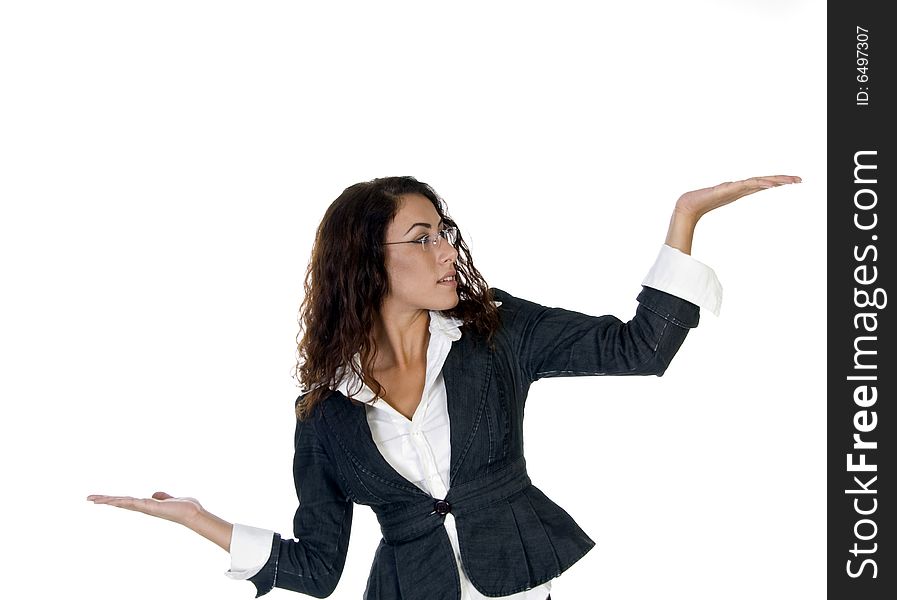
348, 424
466, 372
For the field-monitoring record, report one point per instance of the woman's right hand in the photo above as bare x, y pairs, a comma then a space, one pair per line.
186, 511
162, 505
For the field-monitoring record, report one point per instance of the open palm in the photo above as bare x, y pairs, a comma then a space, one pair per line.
162, 505
699, 202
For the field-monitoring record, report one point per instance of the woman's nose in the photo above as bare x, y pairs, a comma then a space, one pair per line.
446, 251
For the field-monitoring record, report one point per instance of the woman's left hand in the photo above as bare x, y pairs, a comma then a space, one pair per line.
693, 205
697, 203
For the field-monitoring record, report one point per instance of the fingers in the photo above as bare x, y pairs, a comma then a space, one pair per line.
101, 499
769, 181
144, 505
127, 502
97, 498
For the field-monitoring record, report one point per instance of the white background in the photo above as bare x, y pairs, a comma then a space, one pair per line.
164, 165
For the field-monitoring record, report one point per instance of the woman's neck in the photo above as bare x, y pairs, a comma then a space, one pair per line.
401, 338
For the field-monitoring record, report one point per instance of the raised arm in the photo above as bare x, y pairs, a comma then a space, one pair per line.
554, 342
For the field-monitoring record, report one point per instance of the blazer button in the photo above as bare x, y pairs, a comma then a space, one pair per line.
442, 507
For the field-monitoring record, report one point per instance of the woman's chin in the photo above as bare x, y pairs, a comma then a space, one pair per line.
450, 304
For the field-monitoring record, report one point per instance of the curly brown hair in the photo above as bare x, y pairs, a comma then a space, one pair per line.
346, 281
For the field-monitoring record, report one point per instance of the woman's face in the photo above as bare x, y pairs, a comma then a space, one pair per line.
414, 272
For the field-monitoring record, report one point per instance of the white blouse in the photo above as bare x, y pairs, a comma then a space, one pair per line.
419, 449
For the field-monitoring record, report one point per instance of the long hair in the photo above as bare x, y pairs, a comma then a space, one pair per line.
346, 281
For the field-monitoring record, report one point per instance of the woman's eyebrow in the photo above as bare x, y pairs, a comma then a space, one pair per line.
427, 225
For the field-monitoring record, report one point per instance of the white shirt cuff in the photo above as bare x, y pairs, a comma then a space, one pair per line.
677, 273
250, 548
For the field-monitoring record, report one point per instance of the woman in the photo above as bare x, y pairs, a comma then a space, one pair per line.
415, 375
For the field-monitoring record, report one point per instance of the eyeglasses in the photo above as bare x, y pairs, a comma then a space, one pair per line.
450, 234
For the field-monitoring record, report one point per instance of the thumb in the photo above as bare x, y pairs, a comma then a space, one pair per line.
162, 496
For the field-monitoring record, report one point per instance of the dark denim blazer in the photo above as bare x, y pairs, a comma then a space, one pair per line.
511, 536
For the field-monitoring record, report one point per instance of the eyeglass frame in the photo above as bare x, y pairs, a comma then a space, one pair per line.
441, 234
